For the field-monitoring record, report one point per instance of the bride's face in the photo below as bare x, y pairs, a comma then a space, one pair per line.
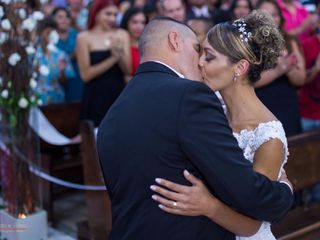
216, 69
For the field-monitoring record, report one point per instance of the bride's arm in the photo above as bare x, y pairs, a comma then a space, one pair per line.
196, 200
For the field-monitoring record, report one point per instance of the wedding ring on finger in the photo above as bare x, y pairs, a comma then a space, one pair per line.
174, 204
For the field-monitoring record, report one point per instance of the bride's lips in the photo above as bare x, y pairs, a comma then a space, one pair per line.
203, 75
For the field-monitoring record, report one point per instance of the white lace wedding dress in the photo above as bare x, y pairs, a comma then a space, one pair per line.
249, 141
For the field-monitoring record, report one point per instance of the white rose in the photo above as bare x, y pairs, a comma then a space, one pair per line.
6, 1
37, 15
5, 93
34, 75
1, 12
33, 83
5, 24
22, 13
3, 37
14, 59
40, 103
51, 47
44, 70
28, 24
53, 37
30, 50
23, 102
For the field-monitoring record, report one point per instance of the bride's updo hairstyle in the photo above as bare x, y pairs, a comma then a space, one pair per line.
254, 38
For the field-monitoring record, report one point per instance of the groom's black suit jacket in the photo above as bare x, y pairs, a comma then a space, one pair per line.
160, 125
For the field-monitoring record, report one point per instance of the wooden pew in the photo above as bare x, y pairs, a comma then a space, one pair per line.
98, 226
60, 161
303, 169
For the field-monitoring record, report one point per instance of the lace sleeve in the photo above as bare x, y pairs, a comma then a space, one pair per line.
271, 130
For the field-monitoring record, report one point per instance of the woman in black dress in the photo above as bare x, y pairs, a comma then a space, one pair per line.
277, 88
103, 53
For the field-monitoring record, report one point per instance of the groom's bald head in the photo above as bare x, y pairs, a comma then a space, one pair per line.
156, 34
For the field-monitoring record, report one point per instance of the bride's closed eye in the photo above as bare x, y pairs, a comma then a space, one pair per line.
209, 57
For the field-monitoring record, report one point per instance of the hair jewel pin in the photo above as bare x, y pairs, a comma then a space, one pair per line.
240, 24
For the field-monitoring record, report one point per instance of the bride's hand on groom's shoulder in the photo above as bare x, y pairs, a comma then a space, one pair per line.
184, 200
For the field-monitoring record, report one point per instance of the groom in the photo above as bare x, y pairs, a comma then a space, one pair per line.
163, 123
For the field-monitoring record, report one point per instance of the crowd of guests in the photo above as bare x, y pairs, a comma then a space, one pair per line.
96, 52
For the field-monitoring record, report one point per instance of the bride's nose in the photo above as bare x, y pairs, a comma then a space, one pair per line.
200, 64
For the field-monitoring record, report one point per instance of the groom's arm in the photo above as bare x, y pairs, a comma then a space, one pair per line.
207, 140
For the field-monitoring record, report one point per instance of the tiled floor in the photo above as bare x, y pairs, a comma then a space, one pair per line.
53, 234
70, 209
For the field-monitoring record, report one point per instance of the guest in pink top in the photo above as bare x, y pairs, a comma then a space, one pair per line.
298, 22
134, 20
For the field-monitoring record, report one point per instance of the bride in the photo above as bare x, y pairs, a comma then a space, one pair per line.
234, 55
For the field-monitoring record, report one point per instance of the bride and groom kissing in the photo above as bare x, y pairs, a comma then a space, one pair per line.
175, 165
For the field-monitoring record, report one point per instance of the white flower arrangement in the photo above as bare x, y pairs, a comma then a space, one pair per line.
5, 24
38, 16
22, 13
33, 83
30, 50
17, 83
44, 70
3, 37
1, 12
23, 103
29, 24
14, 59
53, 37
5, 94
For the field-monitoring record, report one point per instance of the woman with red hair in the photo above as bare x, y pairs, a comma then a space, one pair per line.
103, 54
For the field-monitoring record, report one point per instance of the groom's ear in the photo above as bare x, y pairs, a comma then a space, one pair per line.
174, 41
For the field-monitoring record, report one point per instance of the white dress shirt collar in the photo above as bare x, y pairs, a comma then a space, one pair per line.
175, 71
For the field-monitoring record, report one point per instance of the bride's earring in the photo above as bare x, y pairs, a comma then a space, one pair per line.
235, 77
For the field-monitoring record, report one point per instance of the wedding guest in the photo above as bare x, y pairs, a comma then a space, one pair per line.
151, 9
67, 42
103, 54
134, 21
79, 14
309, 98
125, 6
198, 8
298, 22
175, 9
53, 64
240, 9
277, 88
201, 26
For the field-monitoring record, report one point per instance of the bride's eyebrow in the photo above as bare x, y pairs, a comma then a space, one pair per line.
208, 50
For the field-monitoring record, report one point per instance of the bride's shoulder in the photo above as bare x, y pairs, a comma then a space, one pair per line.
271, 126
269, 130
